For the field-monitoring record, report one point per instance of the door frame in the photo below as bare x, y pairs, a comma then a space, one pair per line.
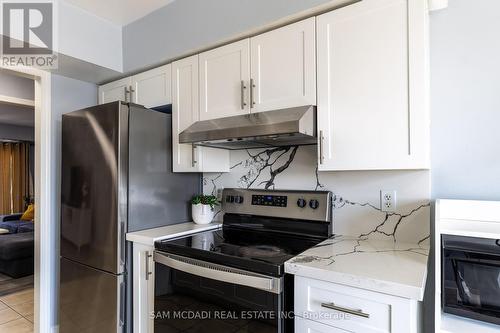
46, 202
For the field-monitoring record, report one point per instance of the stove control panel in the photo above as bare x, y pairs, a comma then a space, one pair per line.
306, 205
269, 200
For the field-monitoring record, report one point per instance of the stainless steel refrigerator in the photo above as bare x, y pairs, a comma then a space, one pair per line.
116, 177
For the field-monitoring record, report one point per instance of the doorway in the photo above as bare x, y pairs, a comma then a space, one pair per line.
17, 220
44, 186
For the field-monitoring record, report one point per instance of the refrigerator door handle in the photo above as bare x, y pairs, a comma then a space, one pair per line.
122, 243
122, 304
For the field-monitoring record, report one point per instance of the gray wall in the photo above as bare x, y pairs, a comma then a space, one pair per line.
186, 25
67, 95
465, 107
14, 132
465, 100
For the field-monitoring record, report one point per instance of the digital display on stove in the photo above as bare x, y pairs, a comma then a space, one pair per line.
269, 200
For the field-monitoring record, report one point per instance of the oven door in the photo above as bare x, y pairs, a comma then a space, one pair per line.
197, 296
471, 277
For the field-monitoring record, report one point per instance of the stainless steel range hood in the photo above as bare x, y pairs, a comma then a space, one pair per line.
285, 127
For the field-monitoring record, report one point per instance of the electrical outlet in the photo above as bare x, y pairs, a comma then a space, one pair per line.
388, 202
219, 194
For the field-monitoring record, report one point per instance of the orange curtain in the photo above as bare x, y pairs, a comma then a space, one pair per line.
14, 177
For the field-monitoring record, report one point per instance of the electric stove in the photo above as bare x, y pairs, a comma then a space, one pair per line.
240, 266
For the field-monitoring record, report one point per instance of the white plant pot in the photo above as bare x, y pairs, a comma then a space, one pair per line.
202, 214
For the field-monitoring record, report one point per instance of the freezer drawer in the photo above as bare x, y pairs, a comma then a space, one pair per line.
90, 300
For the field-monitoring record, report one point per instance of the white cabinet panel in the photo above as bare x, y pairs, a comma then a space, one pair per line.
153, 88
143, 287
185, 111
308, 326
115, 91
354, 310
223, 74
284, 67
366, 113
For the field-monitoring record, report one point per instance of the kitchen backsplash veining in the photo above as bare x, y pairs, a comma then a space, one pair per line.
356, 204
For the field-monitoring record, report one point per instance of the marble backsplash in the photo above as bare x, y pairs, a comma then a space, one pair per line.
356, 204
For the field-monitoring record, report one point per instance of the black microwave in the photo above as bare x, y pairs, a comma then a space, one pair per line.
471, 277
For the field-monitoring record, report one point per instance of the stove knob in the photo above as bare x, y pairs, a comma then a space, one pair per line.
238, 199
231, 199
301, 203
313, 203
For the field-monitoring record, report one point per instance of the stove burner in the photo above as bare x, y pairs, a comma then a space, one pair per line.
263, 251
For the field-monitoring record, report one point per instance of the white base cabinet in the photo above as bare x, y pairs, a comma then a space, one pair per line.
143, 280
372, 86
308, 326
328, 307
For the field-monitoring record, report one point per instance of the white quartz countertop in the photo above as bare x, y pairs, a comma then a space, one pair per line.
385, 266
150, 236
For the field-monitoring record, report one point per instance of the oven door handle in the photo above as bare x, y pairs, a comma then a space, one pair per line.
219, 272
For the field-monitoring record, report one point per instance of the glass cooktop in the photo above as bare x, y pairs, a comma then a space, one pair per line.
256, 251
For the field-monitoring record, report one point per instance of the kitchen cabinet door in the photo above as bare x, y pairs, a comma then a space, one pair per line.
143, 279
309, 326
185, 111
372, 86
153, 88
115, 91
224, 81
283, 63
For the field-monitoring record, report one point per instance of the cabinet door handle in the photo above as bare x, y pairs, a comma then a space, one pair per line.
132, 90
148, 257
321, 141
252, 86
193, 156
354, 312
243, 87
126, 93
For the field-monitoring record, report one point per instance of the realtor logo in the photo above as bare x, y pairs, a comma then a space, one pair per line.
28, 33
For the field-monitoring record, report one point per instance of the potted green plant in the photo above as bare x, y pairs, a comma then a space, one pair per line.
203, 208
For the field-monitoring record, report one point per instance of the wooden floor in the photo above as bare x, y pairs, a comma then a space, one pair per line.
16, 304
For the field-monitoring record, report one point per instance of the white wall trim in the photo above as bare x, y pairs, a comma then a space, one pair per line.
16, 101
45, 250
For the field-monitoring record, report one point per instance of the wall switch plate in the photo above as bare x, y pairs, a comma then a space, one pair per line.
388, 202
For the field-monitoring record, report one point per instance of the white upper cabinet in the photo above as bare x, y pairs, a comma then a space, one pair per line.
283, 63
153, 88
115, 91
185, 111
224, 80
372, 86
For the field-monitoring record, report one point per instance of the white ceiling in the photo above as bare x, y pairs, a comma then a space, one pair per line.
17, 115
120, 12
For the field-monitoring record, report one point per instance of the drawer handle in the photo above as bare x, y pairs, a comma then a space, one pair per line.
354, 312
